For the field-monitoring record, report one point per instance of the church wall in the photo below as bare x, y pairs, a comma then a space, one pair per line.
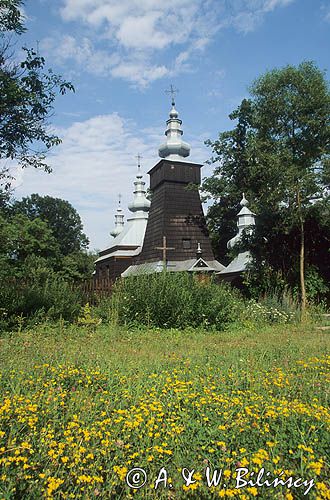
112, 267
176, 213
174, 171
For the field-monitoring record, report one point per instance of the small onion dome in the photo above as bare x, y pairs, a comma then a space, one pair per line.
116, 231
174, 113
174, 148
244, 202
140, 201
246, 219
119, 222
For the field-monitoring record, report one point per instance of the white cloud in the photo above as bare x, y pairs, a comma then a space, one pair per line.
141, 33
67, 49
248, 14
326, 10
139, 72
130, 39
94, 163
136, 32
137, 69
270, 5
138, 24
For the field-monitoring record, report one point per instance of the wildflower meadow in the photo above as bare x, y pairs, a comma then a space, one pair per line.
184, 409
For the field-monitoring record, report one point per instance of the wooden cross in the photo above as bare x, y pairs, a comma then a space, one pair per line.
164, 248
172, 91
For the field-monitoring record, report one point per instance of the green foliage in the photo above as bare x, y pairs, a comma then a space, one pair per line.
77, 266
316, 286
106, 308
10, 16
87, 319
263, 280
278, 153
61, 217
174, 300
28, 91
36, 279
274, 307
47, 228
43, 296
21, 239
76, 407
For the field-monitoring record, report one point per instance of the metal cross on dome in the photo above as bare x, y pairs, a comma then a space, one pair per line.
139, 158
172, 91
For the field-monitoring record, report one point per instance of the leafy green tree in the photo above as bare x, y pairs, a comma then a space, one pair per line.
62, 219
11, 17
21, 237
230, 179
77, 266
278, 154
39, 234
4, 201
28, 92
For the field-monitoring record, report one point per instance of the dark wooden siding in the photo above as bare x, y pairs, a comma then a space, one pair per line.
113, 267
175, 212
174, 171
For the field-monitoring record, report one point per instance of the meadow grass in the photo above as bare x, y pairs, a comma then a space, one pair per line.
79, 409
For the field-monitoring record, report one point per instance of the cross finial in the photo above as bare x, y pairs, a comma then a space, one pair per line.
139, 157
172, 91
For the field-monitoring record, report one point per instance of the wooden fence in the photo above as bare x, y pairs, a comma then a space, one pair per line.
96, 288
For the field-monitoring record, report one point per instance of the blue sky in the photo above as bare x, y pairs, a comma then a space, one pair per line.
122, 55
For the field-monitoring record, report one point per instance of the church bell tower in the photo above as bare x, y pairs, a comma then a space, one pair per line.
176, 236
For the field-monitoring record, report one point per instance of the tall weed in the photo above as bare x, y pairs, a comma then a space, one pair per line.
174, 300
51, 298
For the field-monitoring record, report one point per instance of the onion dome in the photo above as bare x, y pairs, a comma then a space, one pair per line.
174, 148
246, 219
140, 201
119, 220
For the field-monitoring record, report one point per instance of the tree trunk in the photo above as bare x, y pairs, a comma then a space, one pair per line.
302, 259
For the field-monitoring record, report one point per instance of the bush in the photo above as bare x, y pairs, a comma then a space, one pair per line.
48, 298
260, 313
174, 300
317, 289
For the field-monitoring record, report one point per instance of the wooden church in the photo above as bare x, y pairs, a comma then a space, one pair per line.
169, 232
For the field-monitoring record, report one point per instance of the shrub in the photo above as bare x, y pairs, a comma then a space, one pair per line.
87, 319
174, 300
49, 298
257, 312
316, 287
275, 306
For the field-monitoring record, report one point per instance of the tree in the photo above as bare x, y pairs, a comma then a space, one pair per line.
279, 153
21, 238
41, 236
10, 16
62, 219
230, 179
28, 92
77, 266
